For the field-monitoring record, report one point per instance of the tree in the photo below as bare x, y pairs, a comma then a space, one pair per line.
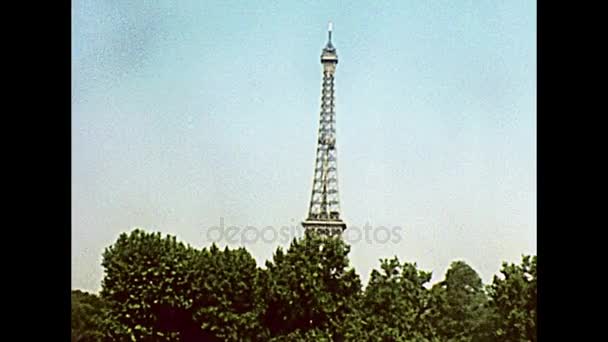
514, 298
395, 307
310, 289
160, 289
87, 317
146, 288
227, 302
462, 303
156, 288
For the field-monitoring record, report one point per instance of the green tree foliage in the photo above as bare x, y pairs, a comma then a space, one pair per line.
146, 288
314, 334
514, 299
87, 317
464, 314
226, 294
159, 289
310, 289
396, 306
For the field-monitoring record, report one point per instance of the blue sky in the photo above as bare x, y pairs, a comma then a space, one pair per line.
185, 112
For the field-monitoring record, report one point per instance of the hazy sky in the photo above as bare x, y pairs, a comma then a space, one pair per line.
188, 112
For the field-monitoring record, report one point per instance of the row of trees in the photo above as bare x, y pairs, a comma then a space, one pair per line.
158, 289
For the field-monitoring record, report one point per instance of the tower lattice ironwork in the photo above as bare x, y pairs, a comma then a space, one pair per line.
324, 210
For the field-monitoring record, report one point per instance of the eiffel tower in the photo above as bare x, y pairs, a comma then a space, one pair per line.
324, 211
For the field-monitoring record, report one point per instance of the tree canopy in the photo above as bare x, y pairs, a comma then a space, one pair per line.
462, 304
310, 287
513, 295
158, 289
87, 317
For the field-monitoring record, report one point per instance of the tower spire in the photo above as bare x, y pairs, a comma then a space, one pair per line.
324, 210
329, 47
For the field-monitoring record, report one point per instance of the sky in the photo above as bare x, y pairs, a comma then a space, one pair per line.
188, 114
